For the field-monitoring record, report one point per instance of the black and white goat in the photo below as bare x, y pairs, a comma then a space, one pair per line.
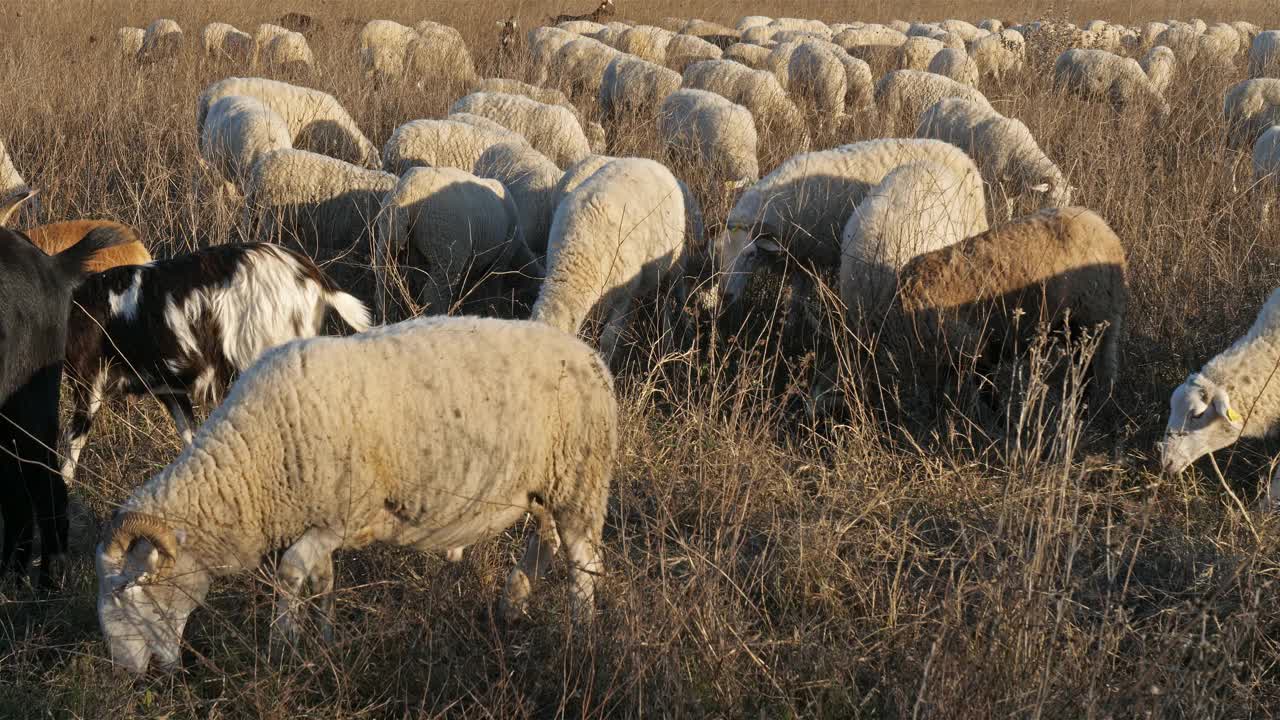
602, 11
35, 299
182, 329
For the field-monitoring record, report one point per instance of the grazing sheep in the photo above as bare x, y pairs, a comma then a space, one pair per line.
1266, 155
999, 55
869, 35
1102, 76
615, 239
916, 52
685, 49
1206, 50
747, 22
1264, 55
646, 43
955, 64
265, 33
14, 188
316, 120
531, 179
581, 27
129, 41
908, 93
237, 131
289, 53
224, 42
1057, 265
319, 205
384, 44
707, 129
777, 118
1011, 161
126, 247
917, 208
446, 229
799, 210
162, 41
549, 96
816, 74
35, 300
635, 87
309, 453
579, 66
752, 56
183, 328
544, 44
1249, 108
551, 129
440, 143
439, 58
1233, 396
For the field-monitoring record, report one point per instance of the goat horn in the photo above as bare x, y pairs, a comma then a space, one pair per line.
131, 526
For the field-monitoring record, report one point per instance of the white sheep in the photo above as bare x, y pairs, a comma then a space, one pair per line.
1235, 395
615, 239
815, 73
646, 43
162, 41
265, 33
708, 130
439, 57
550, 96
129, 41
747, 22
916, 52
581, 27
1202, 50
225, 42
632, 86
440, 143
531, 178
544, 43
316, 120
446, 229
869, 35
320, 205
1264, 55
955, 64
1266, 165
685, 49
237, 131
579, 66
1249, 108
289, 53
326, 444
384, 44
776, 116
752, 56
1010, 159
551, 129
916, 208
1102, 76
908, 93
798, 211
999, 55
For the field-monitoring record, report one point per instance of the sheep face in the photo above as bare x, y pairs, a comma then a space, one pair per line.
1201, 420
142, 611
739, 251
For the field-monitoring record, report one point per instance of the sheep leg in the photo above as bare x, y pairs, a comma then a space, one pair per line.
1107, 364
184, 416
310, 559
612, 333
582, 546
541, 546
86, 401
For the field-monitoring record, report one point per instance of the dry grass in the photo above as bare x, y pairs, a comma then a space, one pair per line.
760, 565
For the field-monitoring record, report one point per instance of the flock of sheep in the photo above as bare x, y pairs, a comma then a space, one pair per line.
940, 234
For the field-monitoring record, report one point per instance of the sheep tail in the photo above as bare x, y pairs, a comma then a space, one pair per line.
350, 309
72, 261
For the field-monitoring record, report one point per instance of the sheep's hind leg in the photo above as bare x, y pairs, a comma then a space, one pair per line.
542, 545
582, 548
309, 561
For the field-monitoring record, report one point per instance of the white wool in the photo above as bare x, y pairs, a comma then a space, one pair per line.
237, 131
707, 129
550, 129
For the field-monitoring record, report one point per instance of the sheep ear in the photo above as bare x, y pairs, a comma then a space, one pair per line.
1042, 187
768, 245
10, 205
1222, 406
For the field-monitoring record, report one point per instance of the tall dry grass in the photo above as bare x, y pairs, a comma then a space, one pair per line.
760, 563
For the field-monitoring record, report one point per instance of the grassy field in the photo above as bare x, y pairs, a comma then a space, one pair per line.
760, 564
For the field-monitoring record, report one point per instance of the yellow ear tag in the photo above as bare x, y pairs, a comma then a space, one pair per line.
1232, 415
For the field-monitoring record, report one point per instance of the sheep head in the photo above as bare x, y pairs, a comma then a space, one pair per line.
147, 589
1201, 420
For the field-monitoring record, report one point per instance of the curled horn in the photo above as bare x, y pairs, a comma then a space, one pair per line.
131, 526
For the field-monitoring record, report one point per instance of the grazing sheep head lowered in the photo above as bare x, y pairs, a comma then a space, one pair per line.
739, 251
1201, 420
146, 592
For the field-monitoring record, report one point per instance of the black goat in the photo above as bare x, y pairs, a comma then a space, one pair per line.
35, 300
603, 11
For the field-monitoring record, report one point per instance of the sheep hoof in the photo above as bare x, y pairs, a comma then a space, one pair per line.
515, 598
